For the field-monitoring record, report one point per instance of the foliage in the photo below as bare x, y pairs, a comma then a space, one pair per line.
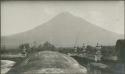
48, 46
26, 45
108, 50
120, 49
9, 51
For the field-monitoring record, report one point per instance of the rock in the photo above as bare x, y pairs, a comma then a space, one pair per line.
6, 65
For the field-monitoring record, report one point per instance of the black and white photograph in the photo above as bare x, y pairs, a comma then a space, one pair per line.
62, 37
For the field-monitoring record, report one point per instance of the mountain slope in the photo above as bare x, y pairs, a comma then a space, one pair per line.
64, 29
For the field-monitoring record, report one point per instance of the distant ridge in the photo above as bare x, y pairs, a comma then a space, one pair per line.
64, 30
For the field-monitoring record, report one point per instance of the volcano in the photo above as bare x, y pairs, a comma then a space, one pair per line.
64, 30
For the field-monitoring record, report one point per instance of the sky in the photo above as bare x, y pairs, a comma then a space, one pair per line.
21, 16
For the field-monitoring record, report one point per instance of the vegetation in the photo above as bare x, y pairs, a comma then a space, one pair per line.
29, 49
120, 50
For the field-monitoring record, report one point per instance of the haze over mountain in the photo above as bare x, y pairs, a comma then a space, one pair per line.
64, 30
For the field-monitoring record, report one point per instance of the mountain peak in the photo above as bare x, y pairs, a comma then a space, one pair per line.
65, 14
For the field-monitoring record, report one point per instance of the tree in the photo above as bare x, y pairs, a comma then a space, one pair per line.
48, 46
24, 48
26, 45
120, 49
